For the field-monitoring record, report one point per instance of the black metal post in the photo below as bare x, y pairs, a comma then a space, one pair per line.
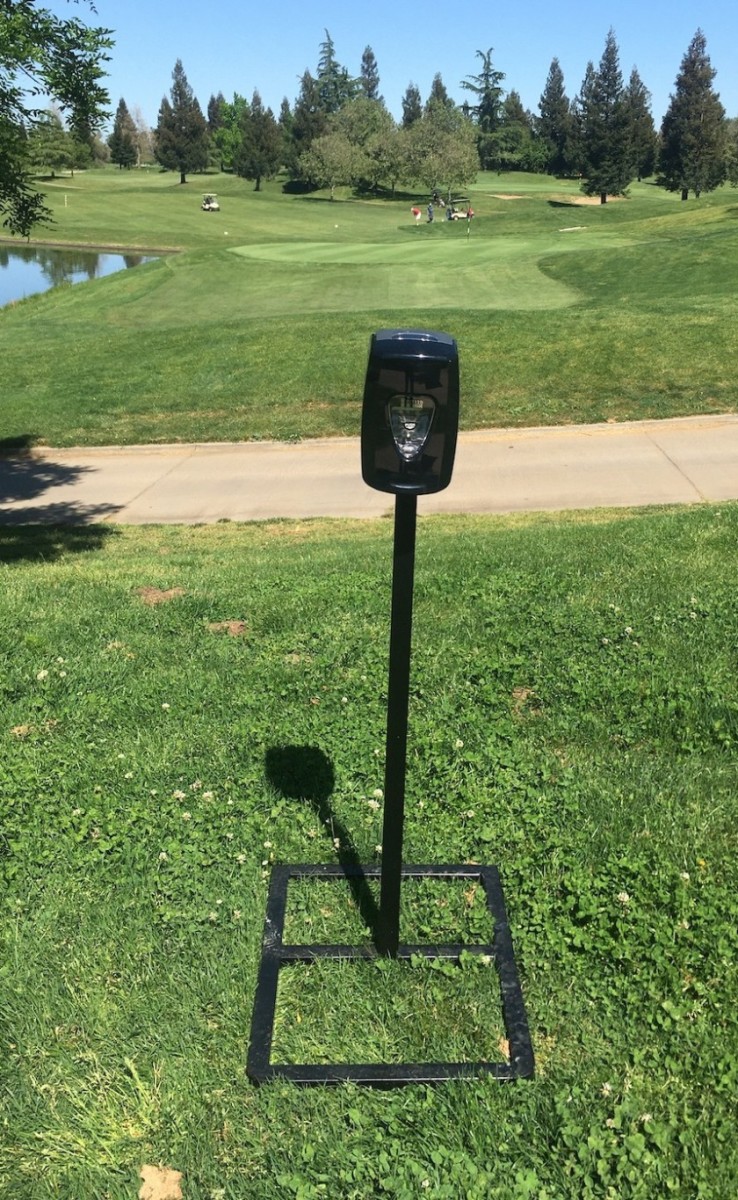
403, 570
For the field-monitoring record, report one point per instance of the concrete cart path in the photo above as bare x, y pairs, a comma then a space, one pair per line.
684, 461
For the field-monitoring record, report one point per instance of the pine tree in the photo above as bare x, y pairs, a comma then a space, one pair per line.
412, 106
438, 96
215, 114
335, 85
641, 132
694, 131
308, 122
182, 131
555, 122
370, 75
608, 166
49, 145
260, 154
515, 142
487, 112
122, 140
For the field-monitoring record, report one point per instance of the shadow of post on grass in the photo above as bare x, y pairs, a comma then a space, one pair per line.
306, 773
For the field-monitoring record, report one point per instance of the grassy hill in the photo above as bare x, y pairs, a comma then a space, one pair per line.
258, 326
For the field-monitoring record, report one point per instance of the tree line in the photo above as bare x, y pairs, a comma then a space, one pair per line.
338, 131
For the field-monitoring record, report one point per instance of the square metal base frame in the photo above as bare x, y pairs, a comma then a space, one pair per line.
275, 954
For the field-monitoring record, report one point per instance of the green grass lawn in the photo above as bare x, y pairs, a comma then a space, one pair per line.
259, 326
183, 707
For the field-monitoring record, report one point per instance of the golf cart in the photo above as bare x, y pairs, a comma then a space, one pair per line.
461, 209
210, 202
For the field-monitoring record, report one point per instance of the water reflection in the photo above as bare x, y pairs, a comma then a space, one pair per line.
25, 270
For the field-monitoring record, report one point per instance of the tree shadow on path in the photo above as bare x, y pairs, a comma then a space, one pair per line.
52, 528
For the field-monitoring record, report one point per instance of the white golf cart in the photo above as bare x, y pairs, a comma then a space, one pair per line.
210, 202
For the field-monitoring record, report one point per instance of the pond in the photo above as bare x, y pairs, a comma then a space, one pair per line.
25, 270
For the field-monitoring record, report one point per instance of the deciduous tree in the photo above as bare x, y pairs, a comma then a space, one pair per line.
63, 58
227, 125
442, 150
693, 133
332, 161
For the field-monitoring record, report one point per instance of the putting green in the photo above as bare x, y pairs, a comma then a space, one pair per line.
453, 272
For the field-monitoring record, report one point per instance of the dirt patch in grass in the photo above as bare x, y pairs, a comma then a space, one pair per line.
153, 595
232, 628
160, 1183
506, 196
585, 200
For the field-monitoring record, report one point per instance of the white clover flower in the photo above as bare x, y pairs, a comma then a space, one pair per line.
61, 661
128, 775
684, 876
606, 1089
267, 845
212, 916
237, 914
337, 843
207, 795
62, 674
373, 804
378, 849
605, 641
178, 795
623, 898
166, 707
42, 675
163, 856
628, 630
378, 794
241, 858
186, 816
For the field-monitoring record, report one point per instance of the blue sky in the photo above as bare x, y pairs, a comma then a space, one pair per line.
229, 45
